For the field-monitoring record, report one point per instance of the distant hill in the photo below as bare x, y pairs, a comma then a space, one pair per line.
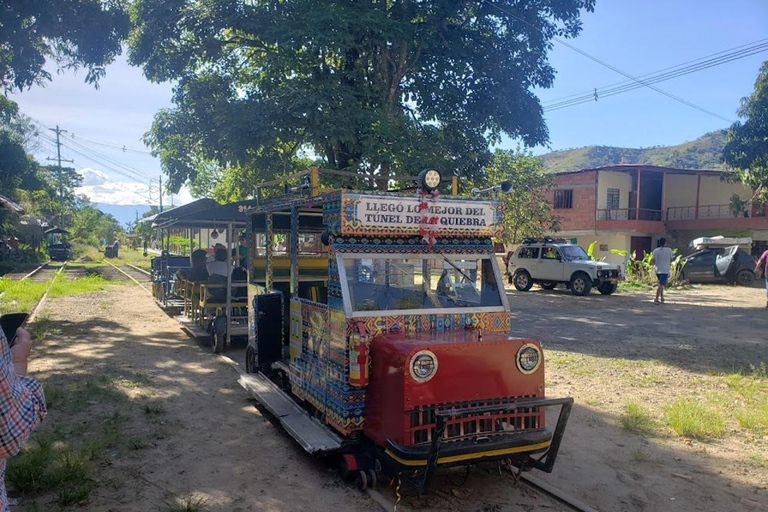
702, 153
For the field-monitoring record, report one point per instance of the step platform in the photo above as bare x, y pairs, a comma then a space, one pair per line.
313, 436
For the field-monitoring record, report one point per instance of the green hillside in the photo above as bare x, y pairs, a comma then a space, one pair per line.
702, 153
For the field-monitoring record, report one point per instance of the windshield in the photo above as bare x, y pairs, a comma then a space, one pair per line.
573, 252
425, 282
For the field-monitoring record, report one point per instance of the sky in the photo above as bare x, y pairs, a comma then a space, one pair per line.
635, 37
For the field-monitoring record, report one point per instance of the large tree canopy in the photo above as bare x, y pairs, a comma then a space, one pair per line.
73, 33
746, 151
369, 86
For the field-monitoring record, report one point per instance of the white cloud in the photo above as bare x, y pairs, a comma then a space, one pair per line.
99, 188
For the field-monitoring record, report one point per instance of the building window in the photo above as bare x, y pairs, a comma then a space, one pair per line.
564, 198
612, 202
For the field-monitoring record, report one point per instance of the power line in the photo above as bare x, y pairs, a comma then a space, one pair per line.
101, 164
90, 151
118, 184
141, 175
123, 148
736, 52
629, 86
614, 68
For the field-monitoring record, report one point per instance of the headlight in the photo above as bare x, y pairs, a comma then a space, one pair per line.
429, 179
528, 358
423, 366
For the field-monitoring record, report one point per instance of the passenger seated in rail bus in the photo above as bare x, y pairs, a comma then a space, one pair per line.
219, 265
198, 273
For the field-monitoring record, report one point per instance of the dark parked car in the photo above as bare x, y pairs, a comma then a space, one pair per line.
720, 264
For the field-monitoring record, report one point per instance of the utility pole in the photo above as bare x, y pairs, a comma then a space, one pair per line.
161, 193
61, 185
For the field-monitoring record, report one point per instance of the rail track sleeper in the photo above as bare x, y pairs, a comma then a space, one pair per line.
126, 274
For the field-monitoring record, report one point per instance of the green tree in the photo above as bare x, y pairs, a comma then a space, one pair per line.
746, 151
365, 86
72, 33
527, 212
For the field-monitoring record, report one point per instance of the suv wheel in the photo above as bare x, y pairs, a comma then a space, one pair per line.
745, 277
581, 284
548, 285
607, 288
522, 281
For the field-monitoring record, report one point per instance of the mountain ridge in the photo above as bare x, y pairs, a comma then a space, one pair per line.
702, 153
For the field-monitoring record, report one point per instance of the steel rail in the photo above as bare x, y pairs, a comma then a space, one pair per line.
128, 276
33, 314
143, 271
38, 269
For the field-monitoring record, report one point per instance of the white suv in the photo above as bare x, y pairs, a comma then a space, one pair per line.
550, 262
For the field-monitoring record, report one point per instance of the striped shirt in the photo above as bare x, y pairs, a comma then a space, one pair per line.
22, 408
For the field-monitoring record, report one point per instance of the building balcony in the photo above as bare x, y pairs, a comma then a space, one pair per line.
715, 216
638, 220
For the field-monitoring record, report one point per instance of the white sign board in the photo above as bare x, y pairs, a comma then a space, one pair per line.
374, 214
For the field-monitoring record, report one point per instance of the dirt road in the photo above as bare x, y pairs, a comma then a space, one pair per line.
186, 427
165, 423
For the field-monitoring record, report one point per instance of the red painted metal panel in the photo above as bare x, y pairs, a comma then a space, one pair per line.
468, 371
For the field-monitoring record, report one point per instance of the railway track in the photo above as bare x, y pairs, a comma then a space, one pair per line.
563, 499
129, 272
43, 273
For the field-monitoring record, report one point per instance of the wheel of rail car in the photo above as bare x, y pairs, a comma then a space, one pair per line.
373, 480
250, 361
218, 340
522, 281
607, 288
548, 285
361, 480
581, 284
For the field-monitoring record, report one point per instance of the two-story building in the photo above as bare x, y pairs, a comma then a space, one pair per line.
628, 207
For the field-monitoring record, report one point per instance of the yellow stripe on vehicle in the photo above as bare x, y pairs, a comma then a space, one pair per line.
471, 456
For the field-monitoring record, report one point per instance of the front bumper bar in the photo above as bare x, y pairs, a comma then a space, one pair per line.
526, 442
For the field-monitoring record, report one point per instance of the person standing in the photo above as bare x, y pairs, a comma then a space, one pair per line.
662, 259
762, 266
22, 403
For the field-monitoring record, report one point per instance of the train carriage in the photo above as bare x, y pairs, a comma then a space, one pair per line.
380, 328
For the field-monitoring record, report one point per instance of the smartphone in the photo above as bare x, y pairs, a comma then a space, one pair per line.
9, 323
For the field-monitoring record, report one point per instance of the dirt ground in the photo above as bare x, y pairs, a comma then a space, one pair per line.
180, 427
209, 441
651, 354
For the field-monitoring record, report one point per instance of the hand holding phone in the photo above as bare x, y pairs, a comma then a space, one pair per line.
10, 323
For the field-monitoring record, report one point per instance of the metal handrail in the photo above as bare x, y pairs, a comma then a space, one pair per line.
628, 214
711, 211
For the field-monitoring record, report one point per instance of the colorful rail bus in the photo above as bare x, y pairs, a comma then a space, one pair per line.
379, 328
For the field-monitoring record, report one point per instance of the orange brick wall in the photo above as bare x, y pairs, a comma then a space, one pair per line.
582, 215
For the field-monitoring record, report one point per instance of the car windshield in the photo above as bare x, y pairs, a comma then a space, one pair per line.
573, 252
419, 282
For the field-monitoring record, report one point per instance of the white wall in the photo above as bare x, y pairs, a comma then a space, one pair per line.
608, 179
713, 191
681, 190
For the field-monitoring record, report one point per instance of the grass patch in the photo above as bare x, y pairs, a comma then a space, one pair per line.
48, 466
754, 417
63, 287
188, 504
136, 258
636, 419
759, 460
640, 454
690, 418
22, 295
153, 409
137, 444
647, 381
43, 327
